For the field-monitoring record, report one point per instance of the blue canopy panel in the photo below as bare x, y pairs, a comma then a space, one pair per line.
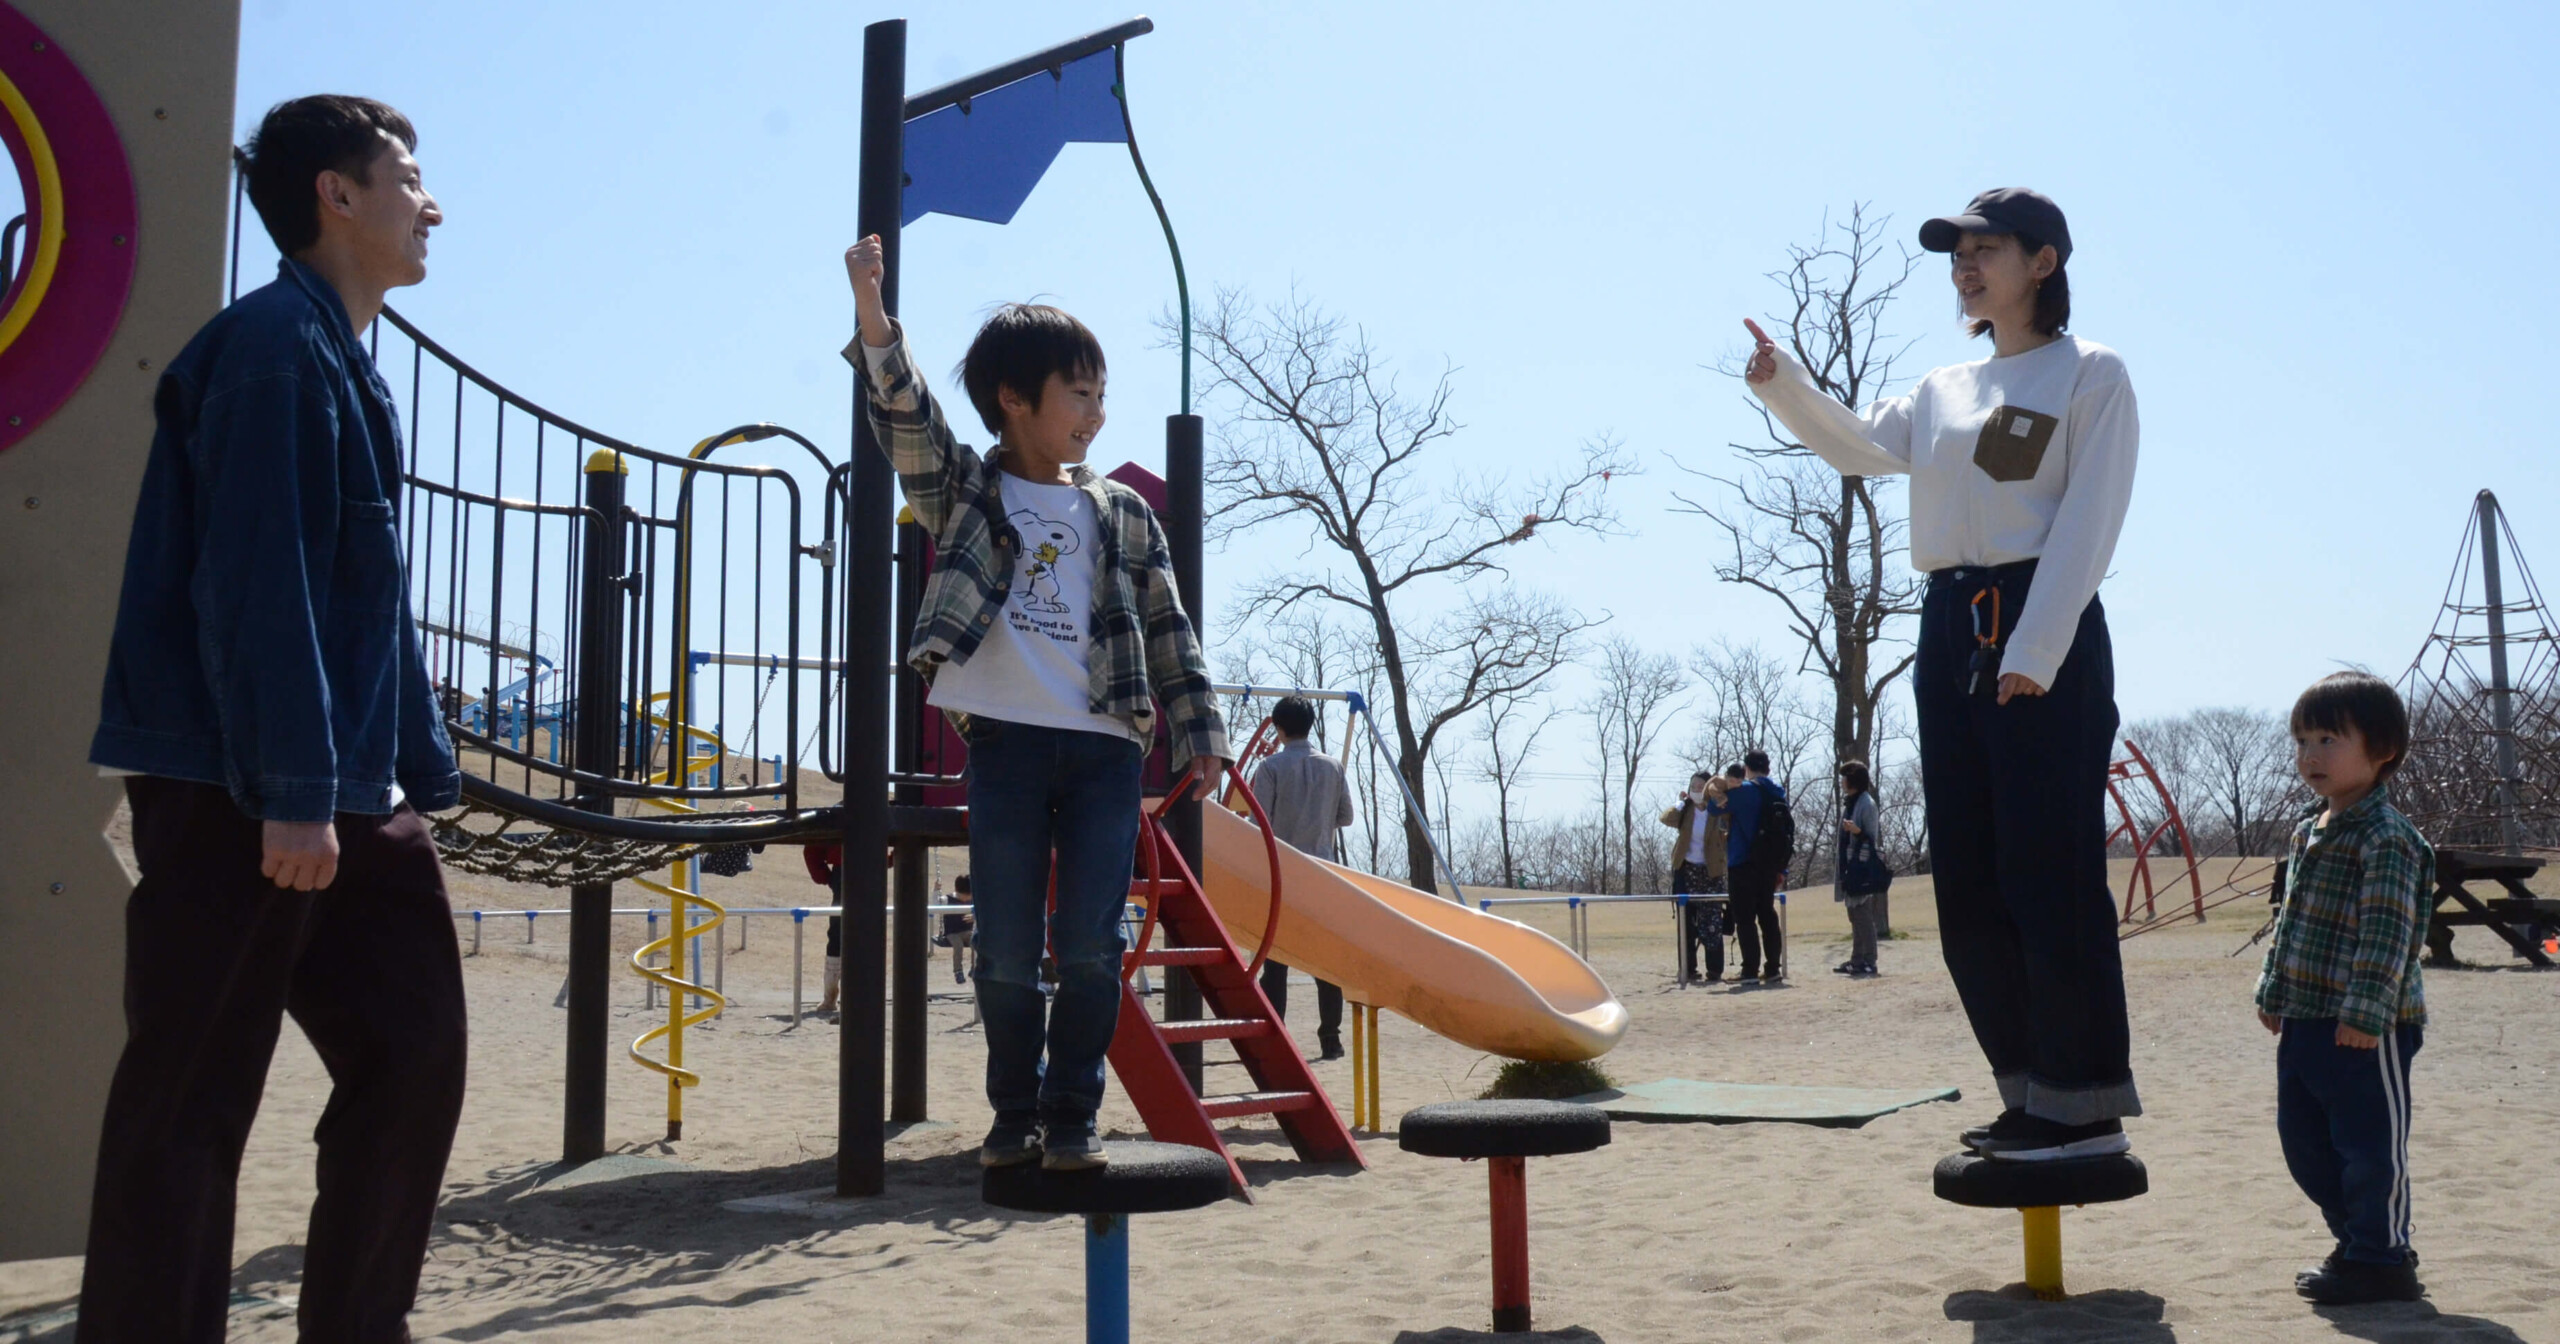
981, 161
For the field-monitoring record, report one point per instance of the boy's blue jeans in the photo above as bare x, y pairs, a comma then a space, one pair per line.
2343, 1115
1032, 791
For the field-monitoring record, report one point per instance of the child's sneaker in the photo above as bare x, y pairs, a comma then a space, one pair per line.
1072, 1146
2036, 1139
1014, 1140
2347, 1282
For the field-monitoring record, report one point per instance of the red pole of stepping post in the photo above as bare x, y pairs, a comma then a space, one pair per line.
1510, 1177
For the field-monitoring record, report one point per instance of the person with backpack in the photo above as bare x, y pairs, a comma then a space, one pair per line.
1759, 844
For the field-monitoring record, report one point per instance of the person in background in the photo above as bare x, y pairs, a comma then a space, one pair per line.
825, 864
1698, 866
1308, 801
1858, 831
956, 929
1753, 874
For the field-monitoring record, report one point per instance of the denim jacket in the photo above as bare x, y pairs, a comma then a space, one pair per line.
264, 640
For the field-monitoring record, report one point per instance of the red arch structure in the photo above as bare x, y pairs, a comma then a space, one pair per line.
2130, 772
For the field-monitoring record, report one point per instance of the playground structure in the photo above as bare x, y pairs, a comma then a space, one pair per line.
115, 120
625, 639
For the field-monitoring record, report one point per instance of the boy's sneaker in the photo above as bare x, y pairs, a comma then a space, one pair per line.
1845, 968
1014, 1140
2334, 1259
2006, 1126
2036, 1139
1072, 1146
2347, 1282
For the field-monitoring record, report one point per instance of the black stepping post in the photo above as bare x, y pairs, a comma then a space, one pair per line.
1141, 1178
1507, 1134
2038, 1190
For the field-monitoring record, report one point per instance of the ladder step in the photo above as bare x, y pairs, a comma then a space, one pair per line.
1182, 956
1214, 1029
1256, 1103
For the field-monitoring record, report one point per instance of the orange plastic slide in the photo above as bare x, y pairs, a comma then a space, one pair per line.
1483, 981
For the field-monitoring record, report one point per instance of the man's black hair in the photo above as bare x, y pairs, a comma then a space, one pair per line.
961, 884
1696, 775
299, 140
1294, 716
1735, 771
1019, 347
2053, 297
2363, 702
1757, 761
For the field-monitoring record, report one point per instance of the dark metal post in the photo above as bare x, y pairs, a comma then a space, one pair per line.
595, 751
2502, 716
861, 1136
908, 948
1184, 522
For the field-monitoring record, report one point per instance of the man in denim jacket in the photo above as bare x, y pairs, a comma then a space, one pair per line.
267, 698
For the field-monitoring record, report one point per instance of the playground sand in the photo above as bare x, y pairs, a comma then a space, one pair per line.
1674, 1232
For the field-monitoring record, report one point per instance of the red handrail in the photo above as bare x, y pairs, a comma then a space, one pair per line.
1149, 828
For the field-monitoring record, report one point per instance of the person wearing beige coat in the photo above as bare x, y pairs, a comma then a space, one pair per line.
1698, 866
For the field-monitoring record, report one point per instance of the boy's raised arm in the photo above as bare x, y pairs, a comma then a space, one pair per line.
935, 470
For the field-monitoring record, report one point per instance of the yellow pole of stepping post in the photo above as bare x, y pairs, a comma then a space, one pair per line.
1377, 1111
1359, 1078
2043, 1228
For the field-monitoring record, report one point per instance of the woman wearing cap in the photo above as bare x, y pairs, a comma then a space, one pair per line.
2021, 467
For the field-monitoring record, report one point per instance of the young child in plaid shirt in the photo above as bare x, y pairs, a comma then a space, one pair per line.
1050, 632
2341, 989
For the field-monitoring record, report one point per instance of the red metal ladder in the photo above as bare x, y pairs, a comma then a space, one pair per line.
1284, 1088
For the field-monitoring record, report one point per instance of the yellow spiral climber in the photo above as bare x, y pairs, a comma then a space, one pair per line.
683, 874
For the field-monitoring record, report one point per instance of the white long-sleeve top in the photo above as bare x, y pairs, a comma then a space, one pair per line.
2026, 457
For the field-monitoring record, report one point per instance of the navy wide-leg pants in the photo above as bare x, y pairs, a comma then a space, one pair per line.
2017, 798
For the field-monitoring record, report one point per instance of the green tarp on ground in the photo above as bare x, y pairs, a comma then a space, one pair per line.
1683, 1099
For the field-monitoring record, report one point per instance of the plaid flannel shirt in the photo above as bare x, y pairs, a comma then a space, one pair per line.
2358, 895
1142, 646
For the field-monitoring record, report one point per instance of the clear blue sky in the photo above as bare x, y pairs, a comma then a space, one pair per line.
2322, 237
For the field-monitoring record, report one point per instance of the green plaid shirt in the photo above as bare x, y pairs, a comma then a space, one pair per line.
2358, 894
1142, 646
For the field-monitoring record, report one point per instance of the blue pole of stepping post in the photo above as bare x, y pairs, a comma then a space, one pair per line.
1106, 1278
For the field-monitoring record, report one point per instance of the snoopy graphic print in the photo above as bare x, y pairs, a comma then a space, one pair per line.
1045, 543
1033, 665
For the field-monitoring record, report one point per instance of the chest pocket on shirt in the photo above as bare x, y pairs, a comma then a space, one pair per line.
367, 574
2011, 446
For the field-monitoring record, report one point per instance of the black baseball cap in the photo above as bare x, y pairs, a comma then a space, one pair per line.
2002, 210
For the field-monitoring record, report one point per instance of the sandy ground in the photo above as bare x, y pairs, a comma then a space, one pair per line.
1674, 1232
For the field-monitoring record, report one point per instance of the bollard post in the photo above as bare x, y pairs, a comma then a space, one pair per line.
1359, 1054
1679, 939
475, 933
649, 988
1377, 1113
528, 927
798, 942
720, 964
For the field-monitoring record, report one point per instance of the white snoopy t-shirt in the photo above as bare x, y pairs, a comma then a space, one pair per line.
1032, 667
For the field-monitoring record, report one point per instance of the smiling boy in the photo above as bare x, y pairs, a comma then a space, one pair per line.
1050, 630
2341, 989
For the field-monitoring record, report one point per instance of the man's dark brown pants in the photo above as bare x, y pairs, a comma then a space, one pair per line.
215, 955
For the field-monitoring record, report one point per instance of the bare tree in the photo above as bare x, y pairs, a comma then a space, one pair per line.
2238, 763
1510, 731
1637, 696
1752, 702
1318, 435
1825, 546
